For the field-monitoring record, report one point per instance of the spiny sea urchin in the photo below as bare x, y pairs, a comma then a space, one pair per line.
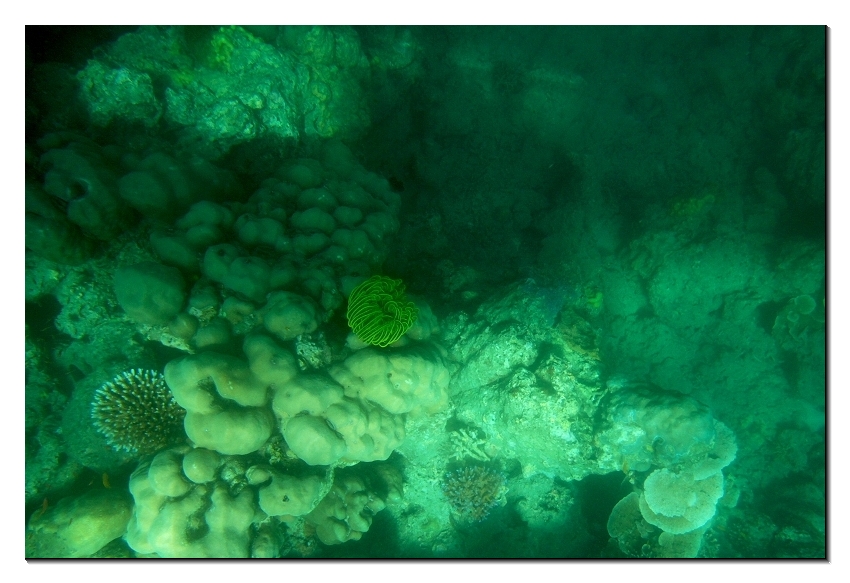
137, 413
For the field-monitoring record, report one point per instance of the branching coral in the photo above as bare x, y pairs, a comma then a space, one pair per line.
473, 491
467, 443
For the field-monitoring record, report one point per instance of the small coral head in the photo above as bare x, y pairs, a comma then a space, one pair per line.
473, 491
137, 413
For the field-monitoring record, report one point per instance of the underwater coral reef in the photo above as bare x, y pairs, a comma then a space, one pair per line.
425, 292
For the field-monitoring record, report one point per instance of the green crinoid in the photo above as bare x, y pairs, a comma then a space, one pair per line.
379, 312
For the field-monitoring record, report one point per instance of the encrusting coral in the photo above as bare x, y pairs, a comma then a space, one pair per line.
677, 503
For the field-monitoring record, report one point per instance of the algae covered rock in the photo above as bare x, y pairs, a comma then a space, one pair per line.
81, 176
647, 426
80, 526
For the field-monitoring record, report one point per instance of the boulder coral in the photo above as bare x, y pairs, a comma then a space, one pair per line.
224, 399
81, 176
289, 496
194, 503
175, 518
322, 421
287, 315
149, 292
346, 512
322, 426
413, 379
